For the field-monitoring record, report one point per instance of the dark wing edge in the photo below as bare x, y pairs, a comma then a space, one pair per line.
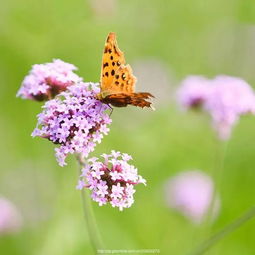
136, 99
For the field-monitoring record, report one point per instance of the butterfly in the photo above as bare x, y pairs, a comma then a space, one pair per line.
117, 83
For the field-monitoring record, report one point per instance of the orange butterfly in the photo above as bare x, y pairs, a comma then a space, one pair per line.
117, 81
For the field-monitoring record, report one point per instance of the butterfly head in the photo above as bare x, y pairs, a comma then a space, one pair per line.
99, 96
103, 94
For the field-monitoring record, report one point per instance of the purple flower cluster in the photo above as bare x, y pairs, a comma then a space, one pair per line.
112, 180
45, 81
74, 120
191, 193
229, 99
10, 217
193, 91
224, 98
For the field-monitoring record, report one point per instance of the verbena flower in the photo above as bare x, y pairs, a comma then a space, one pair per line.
191, 193
74, 120
111, 181
45, 81
230, 98
193, 92
224, 98
10, 218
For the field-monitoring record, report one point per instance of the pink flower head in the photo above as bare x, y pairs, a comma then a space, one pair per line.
111, 181
191, 193
10, 218
230, 98
193, 92
224, 98
74, 120
45, 81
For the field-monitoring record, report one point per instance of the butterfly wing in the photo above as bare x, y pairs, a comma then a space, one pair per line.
124, 99
113, 58
123, 80
117, 80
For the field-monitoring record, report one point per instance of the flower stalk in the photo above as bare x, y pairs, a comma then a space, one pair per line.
94, 234
224, 232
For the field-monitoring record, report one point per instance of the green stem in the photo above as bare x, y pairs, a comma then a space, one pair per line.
216, 174
221, 149
224, 232
89, 216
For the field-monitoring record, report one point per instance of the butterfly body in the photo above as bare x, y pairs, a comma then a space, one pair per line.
117, 82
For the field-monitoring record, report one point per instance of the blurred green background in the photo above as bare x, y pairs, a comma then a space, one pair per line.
164, 41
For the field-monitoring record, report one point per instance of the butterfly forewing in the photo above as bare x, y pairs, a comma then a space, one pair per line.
113, 58
123, 81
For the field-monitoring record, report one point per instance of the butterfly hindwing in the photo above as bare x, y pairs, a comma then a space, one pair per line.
123, 99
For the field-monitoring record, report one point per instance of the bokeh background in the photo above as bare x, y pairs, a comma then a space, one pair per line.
164, 41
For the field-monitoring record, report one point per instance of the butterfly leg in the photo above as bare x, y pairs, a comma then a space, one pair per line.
111, 110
